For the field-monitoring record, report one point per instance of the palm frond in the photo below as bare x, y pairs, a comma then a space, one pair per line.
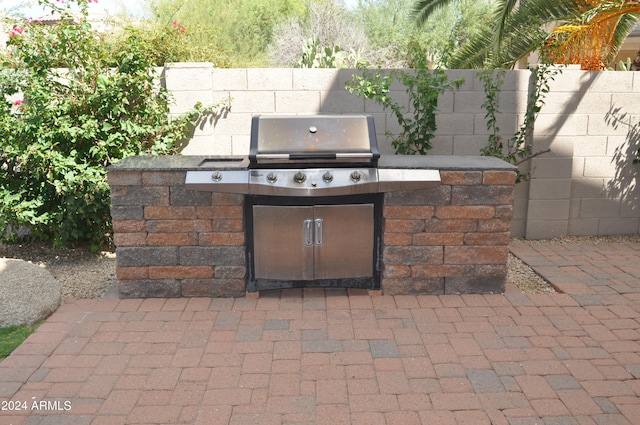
474, 54
593, 38
504, 8
422, 9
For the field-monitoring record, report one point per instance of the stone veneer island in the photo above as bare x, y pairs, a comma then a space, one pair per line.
175, 242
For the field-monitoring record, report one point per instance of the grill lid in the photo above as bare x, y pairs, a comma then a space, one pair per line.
313, 138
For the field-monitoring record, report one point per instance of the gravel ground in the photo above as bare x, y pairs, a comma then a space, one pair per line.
81, 274
87, 275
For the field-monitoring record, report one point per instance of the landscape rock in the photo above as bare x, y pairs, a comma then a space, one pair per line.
28, 293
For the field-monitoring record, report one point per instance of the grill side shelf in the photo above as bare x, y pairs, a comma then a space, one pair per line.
394, 179
227, 181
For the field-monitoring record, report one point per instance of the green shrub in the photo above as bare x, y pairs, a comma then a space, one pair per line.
423, 86
60, 128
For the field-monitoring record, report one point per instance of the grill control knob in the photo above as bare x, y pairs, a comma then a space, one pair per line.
327, 177
216, 176
271, 177
355, 176
299, 177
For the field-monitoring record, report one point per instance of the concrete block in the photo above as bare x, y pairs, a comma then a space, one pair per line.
518, 228
229, 79
384, 145
298, 102
507, 123
577, 103
163, 178
514, 80
254, 102
474, 285
340, 101
187, 76
577, 171
574, 81
599, 167
550, 189
391, 124
551, 168
454, 124
481, 195
233, 124
138, 195
401, 97
380, 120
446, 102
546, 229
513, 102
561, 146
548, 209
124, 178
413, 286
587, 188
202, 146
212, 255
468, 145
630, 206
620, 147
318, 79
442, 145
270, 78
618, 226
181, 197
590, 146
583, 226
599, 208
147, 256
612, 82
222, 145
371, 106
184, 101
344, 75
149, 288
240, 145
556, 125
468, 102
604, 125
466, 74
520, 206
217, 288
574, 208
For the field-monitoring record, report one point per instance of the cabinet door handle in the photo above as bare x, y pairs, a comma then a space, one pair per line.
308, 232
318, 231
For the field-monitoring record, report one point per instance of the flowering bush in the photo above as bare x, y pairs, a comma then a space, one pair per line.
60, 128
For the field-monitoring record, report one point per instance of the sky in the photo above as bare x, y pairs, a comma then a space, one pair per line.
30, 8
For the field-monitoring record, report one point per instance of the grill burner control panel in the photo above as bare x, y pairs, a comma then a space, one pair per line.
311, 181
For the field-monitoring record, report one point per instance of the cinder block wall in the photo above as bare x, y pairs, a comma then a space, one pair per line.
585, 184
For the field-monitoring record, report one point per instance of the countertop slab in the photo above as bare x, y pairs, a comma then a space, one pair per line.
192, 162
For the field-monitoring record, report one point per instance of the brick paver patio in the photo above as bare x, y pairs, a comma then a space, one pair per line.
343, 357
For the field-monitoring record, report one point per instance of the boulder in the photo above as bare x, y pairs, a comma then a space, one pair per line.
28, 293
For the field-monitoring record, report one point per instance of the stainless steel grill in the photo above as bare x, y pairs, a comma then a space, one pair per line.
314, 200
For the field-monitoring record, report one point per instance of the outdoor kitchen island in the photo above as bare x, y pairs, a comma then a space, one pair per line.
175, 242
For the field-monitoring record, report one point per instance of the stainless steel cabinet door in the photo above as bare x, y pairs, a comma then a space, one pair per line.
343, 241
283, 242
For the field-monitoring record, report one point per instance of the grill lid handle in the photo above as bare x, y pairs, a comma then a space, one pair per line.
312, 156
